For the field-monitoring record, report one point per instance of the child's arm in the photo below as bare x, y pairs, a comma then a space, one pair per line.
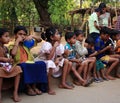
37, 38
4, 59
75, 60
104, 49
93, 54
50, 56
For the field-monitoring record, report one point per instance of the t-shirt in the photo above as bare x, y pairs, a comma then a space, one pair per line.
93, 17
118, 44
60, 50
45, 49
81, 50
72, 54
104, 19
117, 25
99, 45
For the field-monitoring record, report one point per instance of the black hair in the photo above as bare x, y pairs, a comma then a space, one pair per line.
99, 10
102, 5
18, 28
78, 32
90, 40
2, 31
114, 32
69, 35
49, 32
105, 30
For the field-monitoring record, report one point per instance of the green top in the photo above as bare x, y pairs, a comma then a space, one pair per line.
17, 56
93, 17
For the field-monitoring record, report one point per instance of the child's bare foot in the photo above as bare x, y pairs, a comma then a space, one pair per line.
16, 98
110, 77
38, 92
118, 75
51, 92
65, 86
77, 83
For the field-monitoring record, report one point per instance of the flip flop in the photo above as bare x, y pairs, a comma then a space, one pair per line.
37, 91
31, 92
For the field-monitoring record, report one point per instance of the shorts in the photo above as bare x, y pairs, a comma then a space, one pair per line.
105, 59
99, 65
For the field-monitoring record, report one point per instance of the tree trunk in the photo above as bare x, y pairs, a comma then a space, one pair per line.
42, 8
80, 3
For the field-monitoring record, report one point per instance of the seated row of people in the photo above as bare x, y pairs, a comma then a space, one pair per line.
85, 59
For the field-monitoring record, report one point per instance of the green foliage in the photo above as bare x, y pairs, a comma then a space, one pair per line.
59, 11
18, 11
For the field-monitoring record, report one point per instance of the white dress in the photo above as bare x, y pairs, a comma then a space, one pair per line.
46, 49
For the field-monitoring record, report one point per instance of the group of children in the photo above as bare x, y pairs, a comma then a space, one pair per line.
87, 60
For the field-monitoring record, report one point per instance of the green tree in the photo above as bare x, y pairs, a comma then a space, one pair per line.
59, 10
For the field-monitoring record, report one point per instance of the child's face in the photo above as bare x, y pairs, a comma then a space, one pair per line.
117, 37
104, 10
21, 34
90, 45
80, 37
105, 37
56, 37
72, 40
5, 38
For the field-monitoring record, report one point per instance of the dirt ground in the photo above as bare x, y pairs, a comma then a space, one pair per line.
104, 92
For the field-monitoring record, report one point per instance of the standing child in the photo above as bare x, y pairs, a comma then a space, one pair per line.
7, 70
48, 54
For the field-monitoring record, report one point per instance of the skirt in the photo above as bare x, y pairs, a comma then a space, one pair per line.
15, 70
34, 72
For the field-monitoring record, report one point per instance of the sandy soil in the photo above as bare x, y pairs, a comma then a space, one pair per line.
104, 92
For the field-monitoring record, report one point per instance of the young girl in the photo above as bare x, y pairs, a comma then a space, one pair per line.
48, 54
7, 70
32, 72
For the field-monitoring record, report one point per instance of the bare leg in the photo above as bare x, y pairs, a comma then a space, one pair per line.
1, 80
50, 91
64, 75
77, 75
16, 85
103, 74
98, 74
85, 70
114, 62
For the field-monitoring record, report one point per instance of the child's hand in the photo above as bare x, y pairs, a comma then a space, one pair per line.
78, 61
56, 44
11, 61
67, 52
29, 37
19, 39
109, 47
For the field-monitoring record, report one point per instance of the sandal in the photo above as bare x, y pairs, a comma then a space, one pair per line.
31, 92
37, 91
